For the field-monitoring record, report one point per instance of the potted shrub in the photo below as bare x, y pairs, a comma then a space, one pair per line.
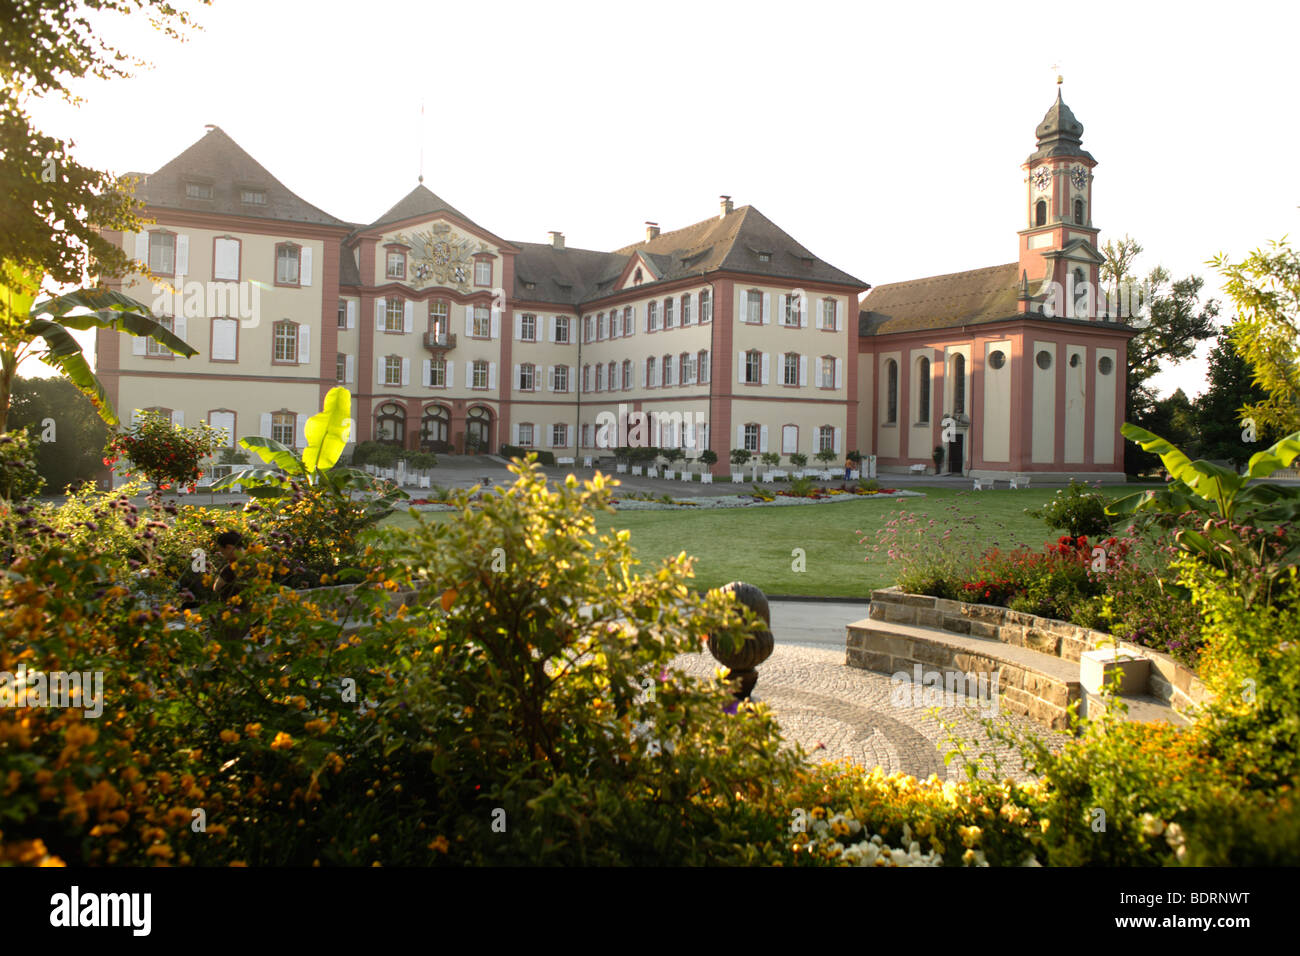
826, 456
799, 460
164, 453
708, 458
938, 456
739, 456
771, 459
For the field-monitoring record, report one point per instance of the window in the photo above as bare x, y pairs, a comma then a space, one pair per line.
586, 378
586, 328
601, 328
284, 428
997, 359
586, 435
225, 340
828, 371
483, 272
438, 373
561, 378
613, 376
706, 307
396, 264
559, 436
225, 259
1044, 359
343, 314
828, 315
923, 390
628, 321
891, 392
686, 309
825, 438
702, 364
394, 315
652, 316
390, 423
792, 316
627, 374
482, 322
1105, 365
525, 434
959, 384
791, 369
753, 367
789, 439
765, 257
439, 317
527, 377
198, 190
528, 328
480, 371
341, 368
253, 197
751, 438
224, 420
286, 343
286, 264
1040, 213
562, 329
393, 370
684, 371
650, 372
162, 253
666, 370
615, 326
435, 429
600, 378
1078, 212
668, 313
157, 350
754, 307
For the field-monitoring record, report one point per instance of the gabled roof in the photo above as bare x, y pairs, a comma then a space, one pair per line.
562, 276
419, 202
218, 161
939, 302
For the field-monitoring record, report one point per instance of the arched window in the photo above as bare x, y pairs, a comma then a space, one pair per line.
1040, 213
959, 384
923, 389
390, 424
435, 429
891, 401
1078, 212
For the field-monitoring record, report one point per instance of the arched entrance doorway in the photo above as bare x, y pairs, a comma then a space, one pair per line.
390, 424
478, 431
435, 429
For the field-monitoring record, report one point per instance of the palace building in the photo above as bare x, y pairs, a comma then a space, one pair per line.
453, 339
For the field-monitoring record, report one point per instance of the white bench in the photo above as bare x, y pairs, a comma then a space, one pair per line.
1020, 481
779, 473
981, 486
621, 469
637, 470
706, 478
917, 469
798, 474
769, 477
826, 475
565, 461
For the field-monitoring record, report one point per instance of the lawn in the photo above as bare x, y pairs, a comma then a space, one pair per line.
757, 544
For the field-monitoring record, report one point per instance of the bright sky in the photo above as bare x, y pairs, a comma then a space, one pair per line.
887, 137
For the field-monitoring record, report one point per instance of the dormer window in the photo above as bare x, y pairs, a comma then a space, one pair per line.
253, 197
198, 190
764, 256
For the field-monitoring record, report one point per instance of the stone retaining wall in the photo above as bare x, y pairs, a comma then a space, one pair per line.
1169, 681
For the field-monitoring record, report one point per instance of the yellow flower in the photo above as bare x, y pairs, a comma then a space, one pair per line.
282, 741
439, 843
252, 729
229, 737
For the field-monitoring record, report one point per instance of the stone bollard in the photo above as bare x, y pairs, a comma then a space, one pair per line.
744, 662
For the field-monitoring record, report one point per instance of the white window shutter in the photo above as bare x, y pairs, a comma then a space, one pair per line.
549, 323
740, 366
381, 304
766, 364
515, 429
379, 370
629, 327
514, 382
408, 316
451, 373
782, 301
492, 374
550, 378
762, 438
496, 323
178, 419
821, 317
645, 371
352, 314
426, 372
179, 328
304, 345
803, 370
469, 319
138, 344
817, 374
740, 436
839, 432
182, 255
304, 270
265, 425
839, 373
142, 247
350, 369
837, 314
767, 307
301, 430
519, 326
406, 371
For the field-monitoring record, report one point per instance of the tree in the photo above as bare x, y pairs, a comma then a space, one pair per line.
1175, 323
72, 453
1265, 288
1176, 418
1220, 412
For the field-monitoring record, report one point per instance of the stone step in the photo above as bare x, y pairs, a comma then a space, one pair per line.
1031, 683
1142, 708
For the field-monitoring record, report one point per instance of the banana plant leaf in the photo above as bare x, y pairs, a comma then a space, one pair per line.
327, 431
274, 453
260, 482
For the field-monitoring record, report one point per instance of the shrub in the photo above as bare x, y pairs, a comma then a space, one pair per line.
421, 461
740, 456
164, 453
377, 453
1077, 511
514, 452
708, 457
18, 476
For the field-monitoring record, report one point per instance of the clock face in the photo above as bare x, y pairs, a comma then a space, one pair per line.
1080, 178
1042, 177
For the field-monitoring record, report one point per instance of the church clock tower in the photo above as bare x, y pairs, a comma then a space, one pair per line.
1059, 260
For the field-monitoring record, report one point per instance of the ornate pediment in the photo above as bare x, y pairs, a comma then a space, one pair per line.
439, 257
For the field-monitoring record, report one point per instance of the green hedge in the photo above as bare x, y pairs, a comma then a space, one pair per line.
514, 451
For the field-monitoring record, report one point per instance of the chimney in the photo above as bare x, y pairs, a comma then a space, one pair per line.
726, 207
557, 240
651, 230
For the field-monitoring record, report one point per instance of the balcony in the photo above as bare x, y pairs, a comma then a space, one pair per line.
439, 342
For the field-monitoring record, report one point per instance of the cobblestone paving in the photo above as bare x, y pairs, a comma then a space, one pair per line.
835, 711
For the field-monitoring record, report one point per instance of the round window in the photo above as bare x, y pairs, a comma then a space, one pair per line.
997, 358
1044, 359
1074, 360
1105, 365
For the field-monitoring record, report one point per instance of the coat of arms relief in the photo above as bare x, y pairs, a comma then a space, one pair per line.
439, 257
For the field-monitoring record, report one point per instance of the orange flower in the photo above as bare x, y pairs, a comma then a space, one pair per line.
440, 844
282, 741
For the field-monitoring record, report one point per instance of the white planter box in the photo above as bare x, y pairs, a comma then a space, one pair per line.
1097, 669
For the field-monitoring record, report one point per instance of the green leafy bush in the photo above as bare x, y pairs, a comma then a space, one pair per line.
18, 476
164, 453
1077, 511
512, 452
